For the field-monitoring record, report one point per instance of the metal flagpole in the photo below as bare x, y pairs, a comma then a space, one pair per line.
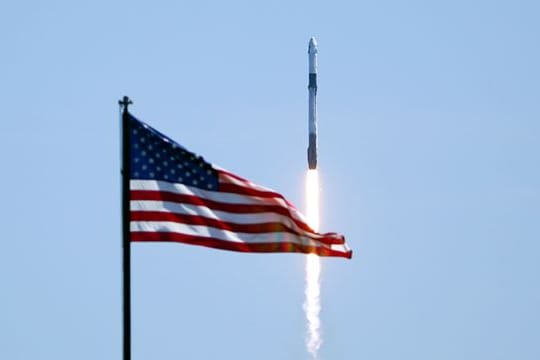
126, 247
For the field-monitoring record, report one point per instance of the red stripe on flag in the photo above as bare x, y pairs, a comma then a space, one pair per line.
237, 189
211, 204
229, 182
272, 227
141, 236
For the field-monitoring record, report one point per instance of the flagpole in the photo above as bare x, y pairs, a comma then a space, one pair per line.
126, 248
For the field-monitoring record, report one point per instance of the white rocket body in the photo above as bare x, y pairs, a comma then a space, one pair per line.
312, 111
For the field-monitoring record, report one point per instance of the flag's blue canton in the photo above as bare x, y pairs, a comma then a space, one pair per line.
154, 156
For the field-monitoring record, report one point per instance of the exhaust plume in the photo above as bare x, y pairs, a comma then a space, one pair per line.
312, 305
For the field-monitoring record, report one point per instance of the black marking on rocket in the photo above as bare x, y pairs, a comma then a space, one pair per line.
312, 151
312, 145
312, 81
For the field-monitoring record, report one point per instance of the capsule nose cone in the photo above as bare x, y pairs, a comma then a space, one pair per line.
312, 48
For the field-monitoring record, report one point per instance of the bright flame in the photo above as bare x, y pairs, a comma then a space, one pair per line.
312, 304
312, 199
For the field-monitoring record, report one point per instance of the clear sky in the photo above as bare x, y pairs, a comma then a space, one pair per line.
429, 137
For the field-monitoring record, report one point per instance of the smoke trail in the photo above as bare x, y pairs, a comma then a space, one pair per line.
312, 304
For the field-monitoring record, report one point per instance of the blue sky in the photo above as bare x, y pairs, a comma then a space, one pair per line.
429, 141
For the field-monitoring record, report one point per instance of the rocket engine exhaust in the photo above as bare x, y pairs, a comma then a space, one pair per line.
312, 304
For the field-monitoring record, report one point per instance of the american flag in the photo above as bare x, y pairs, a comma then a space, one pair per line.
177, 196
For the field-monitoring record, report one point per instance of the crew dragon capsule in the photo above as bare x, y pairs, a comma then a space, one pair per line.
312, 112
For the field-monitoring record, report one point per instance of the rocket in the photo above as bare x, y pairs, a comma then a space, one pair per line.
312, 110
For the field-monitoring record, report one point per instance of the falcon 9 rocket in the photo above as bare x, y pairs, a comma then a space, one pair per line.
312, 114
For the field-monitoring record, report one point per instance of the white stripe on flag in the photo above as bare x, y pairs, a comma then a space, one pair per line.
156, 185
188, 209
205, 231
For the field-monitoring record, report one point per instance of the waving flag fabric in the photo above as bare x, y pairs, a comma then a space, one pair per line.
177, 196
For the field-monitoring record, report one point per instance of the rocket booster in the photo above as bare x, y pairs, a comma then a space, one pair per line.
312, 111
